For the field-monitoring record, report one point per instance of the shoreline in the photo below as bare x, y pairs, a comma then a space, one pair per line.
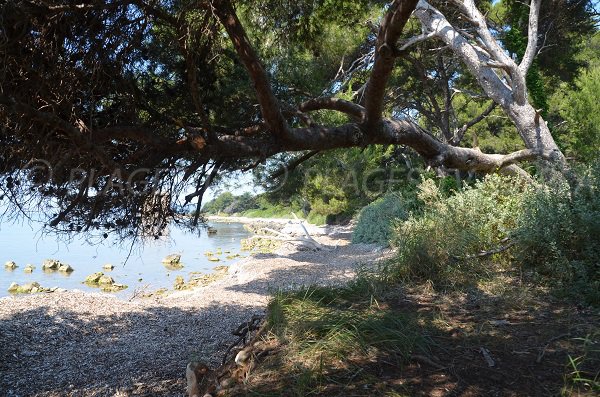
77, 343
249, 220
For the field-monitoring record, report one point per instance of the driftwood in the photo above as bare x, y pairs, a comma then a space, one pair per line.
304, 241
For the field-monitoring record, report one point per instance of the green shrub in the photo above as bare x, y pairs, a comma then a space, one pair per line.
559, 236
375, 221
441, 244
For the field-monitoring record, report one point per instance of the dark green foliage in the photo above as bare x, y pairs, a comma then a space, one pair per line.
578, 115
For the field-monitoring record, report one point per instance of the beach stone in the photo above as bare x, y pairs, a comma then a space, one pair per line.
63, 267
108, 267
179, 282
10, 265
29, 268
50, 264
106, 280
94, 278
25, 288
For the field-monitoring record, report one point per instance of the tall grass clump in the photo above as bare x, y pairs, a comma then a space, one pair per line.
443, 244
558, 236
375, 221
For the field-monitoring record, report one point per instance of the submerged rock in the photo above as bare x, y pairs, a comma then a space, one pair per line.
10, 265
29, 268
213, 259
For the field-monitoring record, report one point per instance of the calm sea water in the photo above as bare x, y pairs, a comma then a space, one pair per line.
137, 268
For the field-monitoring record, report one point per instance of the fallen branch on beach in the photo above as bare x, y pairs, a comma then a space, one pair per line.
303, 241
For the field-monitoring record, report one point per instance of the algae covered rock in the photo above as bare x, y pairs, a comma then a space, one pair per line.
93, 278
29, 288
51, 264
29, 268
172, 262
105, 280
65, 268
108, 267
179, 283
10, 265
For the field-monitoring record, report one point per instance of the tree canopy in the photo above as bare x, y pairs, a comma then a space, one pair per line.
116, 115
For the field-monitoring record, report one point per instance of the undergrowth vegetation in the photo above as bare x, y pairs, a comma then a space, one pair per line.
456, 238
336, 336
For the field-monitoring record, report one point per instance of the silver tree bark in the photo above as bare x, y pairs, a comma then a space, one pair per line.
499, 76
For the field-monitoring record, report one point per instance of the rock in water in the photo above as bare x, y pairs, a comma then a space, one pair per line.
28, 288
10, 265
29, 268
50, 264
64, 268
108, 267
93, 278
106, 280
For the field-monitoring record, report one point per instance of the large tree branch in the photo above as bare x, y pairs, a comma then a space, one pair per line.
499, 57
385, 56
269, 105
356, 111
532, 37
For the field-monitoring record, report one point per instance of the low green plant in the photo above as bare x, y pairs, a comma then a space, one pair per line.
558, 236
341, 323
583, 370
375, 221
443, 243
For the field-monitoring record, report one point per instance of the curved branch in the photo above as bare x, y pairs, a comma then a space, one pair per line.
269, 105
341, 105
385, 56
532, 37
292, 165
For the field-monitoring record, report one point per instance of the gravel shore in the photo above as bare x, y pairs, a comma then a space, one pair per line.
90, 344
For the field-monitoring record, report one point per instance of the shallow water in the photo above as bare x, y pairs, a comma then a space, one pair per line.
143, 269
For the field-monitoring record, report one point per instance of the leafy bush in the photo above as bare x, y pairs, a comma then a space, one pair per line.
559, 235
442, 244
375, 221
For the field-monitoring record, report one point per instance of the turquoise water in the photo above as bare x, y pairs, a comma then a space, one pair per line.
138, 268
